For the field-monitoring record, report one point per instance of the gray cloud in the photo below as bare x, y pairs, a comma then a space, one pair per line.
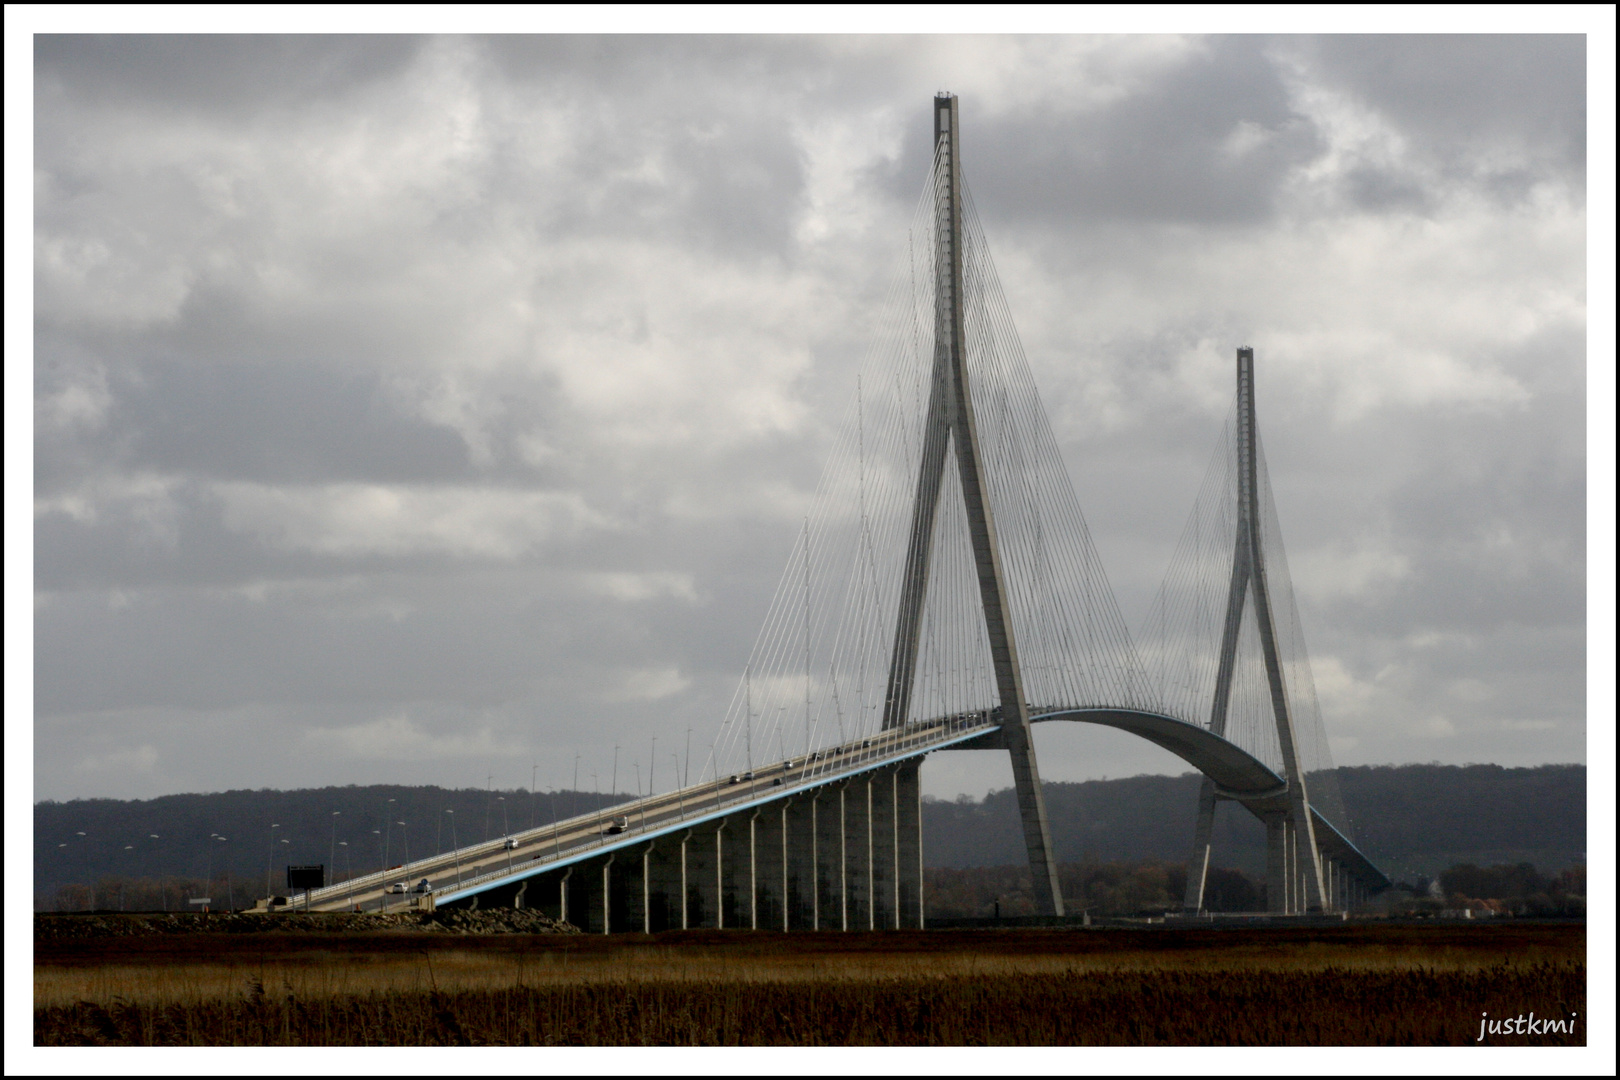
287, 418
407, 408
1498, 114
234, 75
1465, 97
1210, 142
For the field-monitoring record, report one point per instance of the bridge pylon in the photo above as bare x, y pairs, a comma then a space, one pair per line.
1293, 860
950, 424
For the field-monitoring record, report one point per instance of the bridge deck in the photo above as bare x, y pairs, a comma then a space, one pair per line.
469, 870
465, 872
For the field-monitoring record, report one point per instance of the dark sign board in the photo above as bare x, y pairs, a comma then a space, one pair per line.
306, 877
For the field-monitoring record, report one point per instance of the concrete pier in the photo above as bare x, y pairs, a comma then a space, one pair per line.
845, 856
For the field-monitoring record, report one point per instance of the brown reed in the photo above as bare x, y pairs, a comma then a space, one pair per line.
1304, 985
1328, 1007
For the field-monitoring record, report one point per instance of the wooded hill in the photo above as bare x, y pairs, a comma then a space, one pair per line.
1412, 820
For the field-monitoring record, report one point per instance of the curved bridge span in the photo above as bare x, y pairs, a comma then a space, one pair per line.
1236, 775
829, 842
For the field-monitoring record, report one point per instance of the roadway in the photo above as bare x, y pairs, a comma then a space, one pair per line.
476, 866
466, 871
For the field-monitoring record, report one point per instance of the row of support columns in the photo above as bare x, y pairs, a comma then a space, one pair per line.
1288, 874
1288, 867
845, 856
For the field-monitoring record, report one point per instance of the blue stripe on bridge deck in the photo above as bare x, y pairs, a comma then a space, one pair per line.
1237, 773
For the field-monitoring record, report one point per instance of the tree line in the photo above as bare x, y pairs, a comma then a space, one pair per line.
1412, 820
251, 837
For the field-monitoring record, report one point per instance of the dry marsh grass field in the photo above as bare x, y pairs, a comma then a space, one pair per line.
1350, 985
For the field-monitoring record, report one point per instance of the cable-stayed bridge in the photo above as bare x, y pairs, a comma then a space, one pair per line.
944, 594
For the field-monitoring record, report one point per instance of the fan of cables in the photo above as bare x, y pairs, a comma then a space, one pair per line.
821, 666
1180, 641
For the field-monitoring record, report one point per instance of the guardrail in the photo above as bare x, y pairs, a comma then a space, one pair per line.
703, 800
482, 849
909, 747
685, 807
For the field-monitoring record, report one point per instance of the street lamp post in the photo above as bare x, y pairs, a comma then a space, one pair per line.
596, 785
208, 865
407, 829
455, 845
348, 863
382, 867
680, 792
89, 879
288, 859
506, 833
388, 819
270, 868
638, 795
125, 874
489, 789
161, 890
230, 897
335, 814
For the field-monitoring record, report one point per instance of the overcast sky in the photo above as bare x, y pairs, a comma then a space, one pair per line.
419, 409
